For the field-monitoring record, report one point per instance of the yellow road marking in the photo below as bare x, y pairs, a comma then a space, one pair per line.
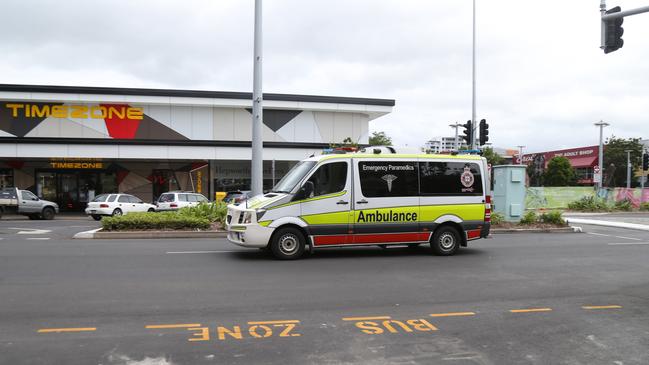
453, 314
601, 306
365, 318
530, 310
275, 322
78, 329
182, 325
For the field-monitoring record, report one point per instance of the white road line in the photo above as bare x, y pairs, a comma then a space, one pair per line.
599, 234
627, 243
609, 235
204, 251
38, 238
628, 238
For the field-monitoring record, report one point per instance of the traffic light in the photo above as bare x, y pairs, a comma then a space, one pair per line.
645, 162
468, 132
484, 132
613, 32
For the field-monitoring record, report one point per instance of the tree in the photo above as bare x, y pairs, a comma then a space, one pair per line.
559, 173
380, 139
492, 157
615, 154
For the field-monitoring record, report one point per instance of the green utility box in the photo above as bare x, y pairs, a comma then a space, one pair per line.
509, 191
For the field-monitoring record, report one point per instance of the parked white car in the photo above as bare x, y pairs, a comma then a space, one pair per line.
175, 200
116, 205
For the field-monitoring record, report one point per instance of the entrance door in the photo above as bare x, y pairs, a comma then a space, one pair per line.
327, 210
386, 201
68, 194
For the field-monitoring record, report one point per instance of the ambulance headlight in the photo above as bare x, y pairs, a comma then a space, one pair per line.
260, 213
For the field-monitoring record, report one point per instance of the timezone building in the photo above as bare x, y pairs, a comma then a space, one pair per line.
69, 144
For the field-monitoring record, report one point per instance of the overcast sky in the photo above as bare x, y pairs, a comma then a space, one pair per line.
542, 80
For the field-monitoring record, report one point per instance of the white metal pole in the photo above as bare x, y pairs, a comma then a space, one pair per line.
473, 101
601, 124
256, 169
628, 169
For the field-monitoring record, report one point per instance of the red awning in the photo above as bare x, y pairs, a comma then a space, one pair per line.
589, 161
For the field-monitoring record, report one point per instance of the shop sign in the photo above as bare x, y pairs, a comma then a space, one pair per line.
76, 164
119, 112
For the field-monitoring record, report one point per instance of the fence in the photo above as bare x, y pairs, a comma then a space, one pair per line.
559, 197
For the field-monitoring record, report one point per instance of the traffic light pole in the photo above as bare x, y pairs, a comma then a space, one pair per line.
642, 177
617, 15
256, 168
473, 111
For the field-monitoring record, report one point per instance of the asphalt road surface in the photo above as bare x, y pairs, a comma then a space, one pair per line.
514, 299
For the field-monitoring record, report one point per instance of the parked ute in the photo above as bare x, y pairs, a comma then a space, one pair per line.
116, 205
24, 202
175, 200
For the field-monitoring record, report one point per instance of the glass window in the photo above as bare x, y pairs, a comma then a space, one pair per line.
192, 198
6, 178
27, 195
182, 198
166, 198
201, 198
135, 199
112, 198
294, 176
100, 198
450, 178
329, 178
124, 199
388, 178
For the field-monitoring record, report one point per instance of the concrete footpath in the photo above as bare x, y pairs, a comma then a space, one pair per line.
631, 220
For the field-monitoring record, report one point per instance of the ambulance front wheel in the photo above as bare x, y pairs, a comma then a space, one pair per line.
288, 244
446, 241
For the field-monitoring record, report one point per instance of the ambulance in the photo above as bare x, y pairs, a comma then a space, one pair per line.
373, 197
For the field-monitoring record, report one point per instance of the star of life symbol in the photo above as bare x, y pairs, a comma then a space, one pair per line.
467, 178
389, 179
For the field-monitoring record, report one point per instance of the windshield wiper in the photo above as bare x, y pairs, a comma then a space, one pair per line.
280, 191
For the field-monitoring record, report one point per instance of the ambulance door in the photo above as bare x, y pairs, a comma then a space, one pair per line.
327, 208
386, 201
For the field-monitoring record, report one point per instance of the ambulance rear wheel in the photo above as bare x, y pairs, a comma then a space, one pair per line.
446, 241
288, 244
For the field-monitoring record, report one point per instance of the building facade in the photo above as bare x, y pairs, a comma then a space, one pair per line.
582, 159
69, 144
443, 144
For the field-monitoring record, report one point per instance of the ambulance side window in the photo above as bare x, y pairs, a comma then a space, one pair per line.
329, 178
449, 179
385, 179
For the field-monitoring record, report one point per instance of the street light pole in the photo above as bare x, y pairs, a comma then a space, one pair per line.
457, 143
628, 168
473, 101
256, 168
520, 154
601, 124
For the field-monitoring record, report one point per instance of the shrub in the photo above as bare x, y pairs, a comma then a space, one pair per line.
644, 206
529, 218
552, 218
154, 221
624, 205
497, 218
589, 204
213, 212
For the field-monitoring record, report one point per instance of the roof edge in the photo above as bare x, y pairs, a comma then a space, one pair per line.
192, 93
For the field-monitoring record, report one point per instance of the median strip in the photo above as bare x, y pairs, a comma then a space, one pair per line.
601, 307
69, 329
453, 314
180, 325
365, 318
530, 310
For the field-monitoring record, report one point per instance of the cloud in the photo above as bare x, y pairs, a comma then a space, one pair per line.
541, 78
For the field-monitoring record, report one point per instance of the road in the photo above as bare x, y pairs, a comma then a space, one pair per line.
514, 299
